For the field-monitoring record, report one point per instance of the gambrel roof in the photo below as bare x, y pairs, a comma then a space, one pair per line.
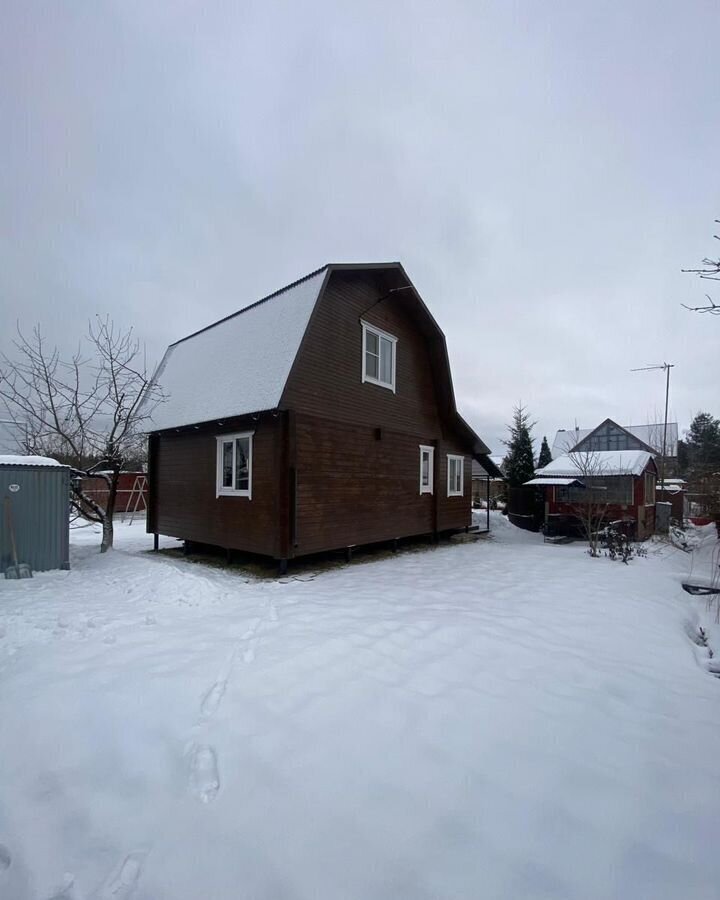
241, 364
649, 435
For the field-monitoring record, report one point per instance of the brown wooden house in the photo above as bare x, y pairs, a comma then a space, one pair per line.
321, 417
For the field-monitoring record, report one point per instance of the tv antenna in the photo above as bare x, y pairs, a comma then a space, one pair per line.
666, 368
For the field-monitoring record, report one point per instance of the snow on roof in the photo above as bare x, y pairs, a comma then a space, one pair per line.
559, 482
652, 435
598, 463
11, 460
238, 365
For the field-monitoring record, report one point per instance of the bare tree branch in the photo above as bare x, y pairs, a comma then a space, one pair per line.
88, 411
709, 272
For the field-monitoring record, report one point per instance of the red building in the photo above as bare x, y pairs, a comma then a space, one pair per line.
131, 494
619, 483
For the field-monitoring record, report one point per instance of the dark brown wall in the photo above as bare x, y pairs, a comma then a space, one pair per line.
326, 378
354, 487
183, 489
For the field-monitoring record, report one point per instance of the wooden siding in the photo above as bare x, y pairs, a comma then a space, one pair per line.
357, 485
357, 443
183, 489
339, 465
326, 379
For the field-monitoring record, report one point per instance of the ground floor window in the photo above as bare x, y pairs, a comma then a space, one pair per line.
614, 490
649, 489
427, 457
234, 464
456, 471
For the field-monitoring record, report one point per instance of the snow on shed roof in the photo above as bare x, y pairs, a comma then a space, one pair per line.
10, 460
652, 435
238, 365
598, 463
557, 482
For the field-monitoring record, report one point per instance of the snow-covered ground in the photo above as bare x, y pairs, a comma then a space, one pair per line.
503, 719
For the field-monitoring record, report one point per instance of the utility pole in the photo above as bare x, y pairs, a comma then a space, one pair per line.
666, 367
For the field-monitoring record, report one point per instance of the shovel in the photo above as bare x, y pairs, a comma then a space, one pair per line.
18, 569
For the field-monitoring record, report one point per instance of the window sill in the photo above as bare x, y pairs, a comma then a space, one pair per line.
368, 379
228, 493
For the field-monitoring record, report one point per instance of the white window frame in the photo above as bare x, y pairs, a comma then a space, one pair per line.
430, 451
220, 490
388, 337
451, 490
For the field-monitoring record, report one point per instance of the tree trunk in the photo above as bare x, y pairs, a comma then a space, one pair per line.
107, 534
107, 525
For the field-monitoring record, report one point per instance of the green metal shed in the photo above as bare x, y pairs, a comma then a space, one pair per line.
38, 489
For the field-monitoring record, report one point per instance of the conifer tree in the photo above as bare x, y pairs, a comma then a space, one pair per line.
703, 441
519, 461
545, 457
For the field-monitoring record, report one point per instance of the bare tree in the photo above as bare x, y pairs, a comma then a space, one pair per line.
602, 487
711, 271
87, 411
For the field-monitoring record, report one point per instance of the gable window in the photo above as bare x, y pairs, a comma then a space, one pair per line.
234, 464
378, 351
427, 457
456, 471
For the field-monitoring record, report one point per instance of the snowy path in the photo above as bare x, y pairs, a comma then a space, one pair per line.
504, 719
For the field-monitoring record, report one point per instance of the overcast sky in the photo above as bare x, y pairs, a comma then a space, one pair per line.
542, 170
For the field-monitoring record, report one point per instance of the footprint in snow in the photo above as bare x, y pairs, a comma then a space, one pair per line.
122, 880
204, 779
5, 857
211, 700
67, 891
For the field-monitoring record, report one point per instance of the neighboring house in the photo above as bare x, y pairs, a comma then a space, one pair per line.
611, 436
321, 417
621, 482
485, 487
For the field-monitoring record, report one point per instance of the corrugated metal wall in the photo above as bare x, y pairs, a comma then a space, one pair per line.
41, 516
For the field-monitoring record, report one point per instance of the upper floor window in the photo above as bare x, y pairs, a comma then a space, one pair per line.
378, 365
234, 464
456, 471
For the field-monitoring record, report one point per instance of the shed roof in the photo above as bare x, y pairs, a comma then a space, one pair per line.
597, 463
12, 460
485, 467
556, 482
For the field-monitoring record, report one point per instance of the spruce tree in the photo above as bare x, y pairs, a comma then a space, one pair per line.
703, 441
519, 461
545, 457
